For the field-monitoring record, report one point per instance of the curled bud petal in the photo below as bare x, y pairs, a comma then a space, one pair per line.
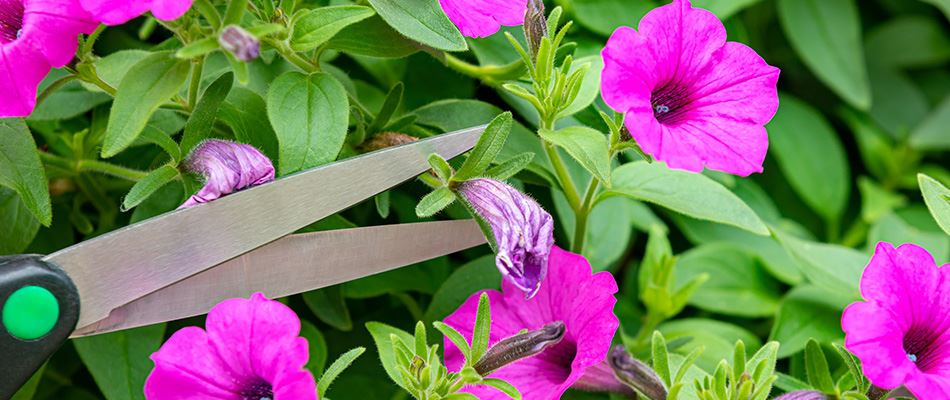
240, 43
226, 167
803, 395
635, 373
520, 346
535, 25
383, 140
523, 232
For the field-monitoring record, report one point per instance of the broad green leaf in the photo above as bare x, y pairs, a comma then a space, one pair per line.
937, 197
478, 274
489, 145
724, 8
943, 5
933, 133
434, 202
876, 201
422, 21
806, 312
424, 277
373, 37
908, 42
694, 195
144, 188
893, 229
198, 48
899, 105
737, 285
381, 336
310, 114
833, 267
246, 113
330, 307
17, 226
335, 369
590, 85
717, 337
149, 84
503, 386
816, 365
319, 25
119, 361
826, 34
113, 67
317, 345
21, 170
608, 228
201, 121
811, 156
604, 16
67, 101
586, 145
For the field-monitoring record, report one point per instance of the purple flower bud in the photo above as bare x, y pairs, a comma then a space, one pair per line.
227, 167
635, 373
523, 232
520, 346
240, 43
803, 395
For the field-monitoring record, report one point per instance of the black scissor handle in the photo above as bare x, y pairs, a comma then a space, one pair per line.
39, 308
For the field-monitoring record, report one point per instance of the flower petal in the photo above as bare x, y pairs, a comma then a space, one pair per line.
296, 385
873, 335
906, 282
482, 18
115, 12
21, 70
680, 38
167, 10
227, 167
187, 367
53, 27
930, 386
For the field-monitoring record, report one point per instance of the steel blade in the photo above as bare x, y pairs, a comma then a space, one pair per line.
126, 264
295, 264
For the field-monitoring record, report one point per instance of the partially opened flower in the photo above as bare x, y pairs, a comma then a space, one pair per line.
803, 395
482, 18
251, 350
572, 294
35, 36
691, 99
117, 12
901, 332
523, 232
227, 167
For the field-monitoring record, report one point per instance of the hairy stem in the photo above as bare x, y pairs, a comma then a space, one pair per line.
581, 217
197, 67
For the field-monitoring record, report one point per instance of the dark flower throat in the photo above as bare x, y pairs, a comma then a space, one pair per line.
11, 20
919, 344
259, 390
670, 102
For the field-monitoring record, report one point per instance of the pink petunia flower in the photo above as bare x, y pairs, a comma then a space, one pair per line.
227, 167
482, 18
117, 12
572, 294
901, 332
35, 36
522, 231
691, 99
251, 350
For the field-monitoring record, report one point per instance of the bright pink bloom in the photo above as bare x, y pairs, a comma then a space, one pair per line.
227, 167
251, 350
117, 12
482, 18
691, 99
901, 332
572, 294
35, 35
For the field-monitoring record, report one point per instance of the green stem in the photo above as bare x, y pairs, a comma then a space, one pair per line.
110, 169
491, 75
210, 13
581, 217
196, 70
53, 87
59, 162
650, 322
563, 177
101, 84
91, 39
295, 58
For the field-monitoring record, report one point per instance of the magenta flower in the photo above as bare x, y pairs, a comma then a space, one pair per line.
803, 395
117, 12
35, 35
583, 301
523, 232
482, 18
691, 99
901, 332
251, 350
227, 167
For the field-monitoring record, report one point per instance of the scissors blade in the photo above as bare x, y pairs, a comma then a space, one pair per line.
295, 264
126, 264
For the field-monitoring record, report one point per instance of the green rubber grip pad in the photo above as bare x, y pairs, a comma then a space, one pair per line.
30, 313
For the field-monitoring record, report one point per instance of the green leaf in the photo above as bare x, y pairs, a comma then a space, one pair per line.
201, 121
827, 36
17, 226
478, 274
434, 202
724, 8
608, 227
899, 105
604, 16
456, 338
892, 228
198, 48
70, 100
334, 370
833, 267
319, 25
908, 42
119, 361
853, 367
586, 145
489, 145
148, 84
113, 67
931, 134
937, 198
482, 330
154, 135
503, 386
381, 336
694, 195
716, 338
737, 284
816, 365
148, 185
811, 156
165, 199
393, 101
440, 166
589, 87
310, 114
28, 389
510, 167
373, 37
317, 345
21, 170
807, 312
330, 307
246, 113
382, 204
422, 21
661, 359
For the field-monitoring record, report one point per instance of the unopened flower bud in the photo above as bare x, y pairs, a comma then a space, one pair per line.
383, 140
240, 43
523, 232
636, 374
535, 25
226, 167
803, 395
520, 346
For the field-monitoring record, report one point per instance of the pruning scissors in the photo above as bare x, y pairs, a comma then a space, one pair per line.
182, 263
